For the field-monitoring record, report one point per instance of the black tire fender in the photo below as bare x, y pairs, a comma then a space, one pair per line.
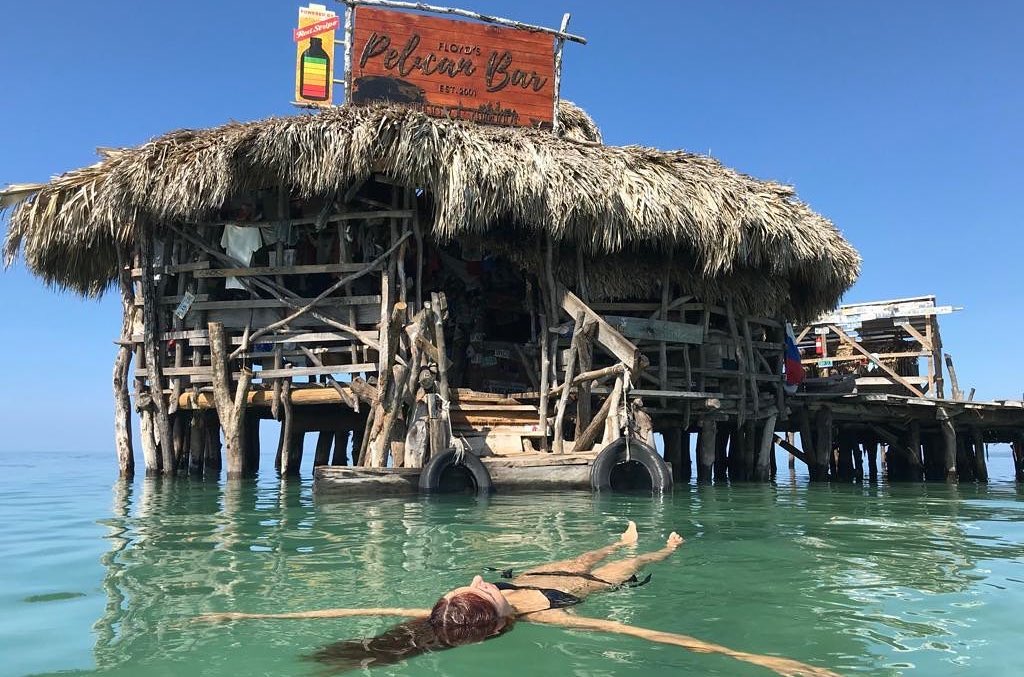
623, 450
430, 477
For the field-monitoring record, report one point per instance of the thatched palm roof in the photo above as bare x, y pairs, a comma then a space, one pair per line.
626, 207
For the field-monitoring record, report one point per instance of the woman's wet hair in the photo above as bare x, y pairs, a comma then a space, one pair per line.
460, 619
465, 618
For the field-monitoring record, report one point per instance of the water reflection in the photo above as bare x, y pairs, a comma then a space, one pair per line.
853, 577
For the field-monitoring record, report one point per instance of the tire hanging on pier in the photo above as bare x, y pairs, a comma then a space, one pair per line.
451, 472
629, 465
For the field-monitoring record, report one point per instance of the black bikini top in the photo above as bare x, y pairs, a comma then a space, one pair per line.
559, 599
556, 598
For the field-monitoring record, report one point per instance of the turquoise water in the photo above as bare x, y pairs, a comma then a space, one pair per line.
104, 578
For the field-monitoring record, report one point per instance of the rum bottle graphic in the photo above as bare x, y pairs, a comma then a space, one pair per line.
314, 83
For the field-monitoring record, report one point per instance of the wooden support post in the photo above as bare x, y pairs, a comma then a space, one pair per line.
179, 432
822, 445
440, 305
872, 449
613, 424
844, 460
765, 450
230, 403
727, 450
198, 441
285, 453
807, 440
948, 443
965, 466
324, 441
583, 396
980, 462
213, 461
570, 372
151, 328
545, 381
858, 461
122, 365
341, 438
1018, 455
437, 427
252, 443
707, 445
674, 453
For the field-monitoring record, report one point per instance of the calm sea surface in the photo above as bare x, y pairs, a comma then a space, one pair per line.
97, 577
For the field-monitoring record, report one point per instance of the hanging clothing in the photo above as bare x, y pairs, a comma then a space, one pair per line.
240, 243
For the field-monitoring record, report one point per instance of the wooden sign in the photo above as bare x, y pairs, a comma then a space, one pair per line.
455, 69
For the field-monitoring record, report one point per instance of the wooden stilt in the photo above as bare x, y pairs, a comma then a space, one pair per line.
585, 440
122, 365
180, 423
822, 444
341, 438
324, 441
948, 444
285, 451
726, 450
437, 428
150, 323
765, 449
252, 443
150, 451
230, 402
858, 461
980, 462
1018, 455
872, 449
198, 441
213, 460
707, 445
673, 439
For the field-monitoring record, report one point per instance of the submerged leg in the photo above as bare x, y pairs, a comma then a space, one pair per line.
620, 571
583, 563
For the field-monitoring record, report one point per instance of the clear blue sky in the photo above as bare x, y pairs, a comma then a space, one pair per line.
903, 122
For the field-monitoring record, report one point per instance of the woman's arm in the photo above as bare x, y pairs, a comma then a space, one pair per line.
322, 613
782, 666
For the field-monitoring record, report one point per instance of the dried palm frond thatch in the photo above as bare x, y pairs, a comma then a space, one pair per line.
627, 208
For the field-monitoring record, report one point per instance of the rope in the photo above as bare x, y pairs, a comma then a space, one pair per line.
459, 444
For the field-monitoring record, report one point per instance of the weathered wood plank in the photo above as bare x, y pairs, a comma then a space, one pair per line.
249, 271
657, 330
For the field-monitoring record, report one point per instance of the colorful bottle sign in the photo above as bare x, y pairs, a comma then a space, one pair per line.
314, 55
316, 64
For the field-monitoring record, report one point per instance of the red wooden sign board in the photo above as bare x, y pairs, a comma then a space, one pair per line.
454, 69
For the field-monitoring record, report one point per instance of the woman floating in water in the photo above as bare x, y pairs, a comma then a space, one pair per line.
483, 610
